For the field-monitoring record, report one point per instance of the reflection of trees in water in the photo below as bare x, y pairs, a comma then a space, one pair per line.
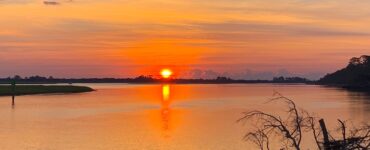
13, 101
359, 103
13, 84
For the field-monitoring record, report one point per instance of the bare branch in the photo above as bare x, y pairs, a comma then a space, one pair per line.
291, 129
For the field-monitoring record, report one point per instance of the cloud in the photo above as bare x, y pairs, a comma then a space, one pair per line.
220, 35
16, 1
248, 74
254, 30
45, 2
51, 2
70, 35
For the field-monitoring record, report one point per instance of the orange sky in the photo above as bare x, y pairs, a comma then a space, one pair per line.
246, 39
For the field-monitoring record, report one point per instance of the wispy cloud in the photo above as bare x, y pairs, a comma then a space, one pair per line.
248, 74
215, 36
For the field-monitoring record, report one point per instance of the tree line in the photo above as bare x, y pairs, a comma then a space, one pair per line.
145, 79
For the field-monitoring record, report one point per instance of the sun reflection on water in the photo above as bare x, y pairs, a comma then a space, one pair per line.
165, 109
166, 92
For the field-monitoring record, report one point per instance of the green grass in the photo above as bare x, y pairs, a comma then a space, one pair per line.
6, 90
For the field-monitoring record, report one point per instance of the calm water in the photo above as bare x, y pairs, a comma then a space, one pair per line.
181, 117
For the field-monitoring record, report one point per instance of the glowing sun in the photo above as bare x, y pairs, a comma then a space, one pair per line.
166, 73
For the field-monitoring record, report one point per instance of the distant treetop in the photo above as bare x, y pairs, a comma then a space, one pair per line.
357, 73
363, 60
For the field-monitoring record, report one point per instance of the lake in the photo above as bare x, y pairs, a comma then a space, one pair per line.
161, 117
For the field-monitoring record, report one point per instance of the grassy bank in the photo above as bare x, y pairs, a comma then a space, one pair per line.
6, 90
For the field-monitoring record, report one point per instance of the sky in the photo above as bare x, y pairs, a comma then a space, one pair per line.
242, 39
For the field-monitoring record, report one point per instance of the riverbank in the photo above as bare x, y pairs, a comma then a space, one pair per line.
6, 90
357, 88
352, 88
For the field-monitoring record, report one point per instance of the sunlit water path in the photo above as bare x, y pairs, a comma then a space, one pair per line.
123, 116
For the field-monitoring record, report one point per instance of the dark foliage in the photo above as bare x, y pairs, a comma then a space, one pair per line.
290, 80
144, 79
356, 74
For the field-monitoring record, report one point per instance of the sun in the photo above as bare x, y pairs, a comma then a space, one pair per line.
166, 73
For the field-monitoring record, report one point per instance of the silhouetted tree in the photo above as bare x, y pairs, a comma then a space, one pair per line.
291, 128
223, 79
143, 78
282, 79
357, 73
17, 77
363, 60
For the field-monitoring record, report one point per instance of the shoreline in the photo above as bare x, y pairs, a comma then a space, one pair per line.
6, 90
353, 88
